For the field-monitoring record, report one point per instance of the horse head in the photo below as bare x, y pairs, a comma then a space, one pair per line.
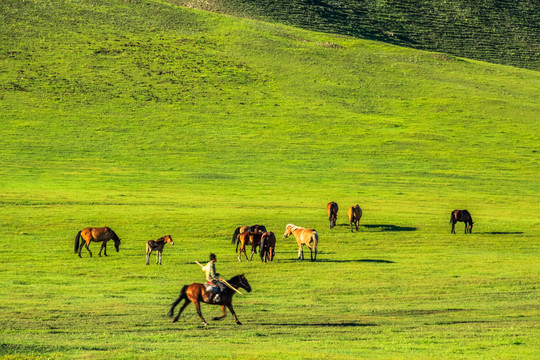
288, 230
243, 283
168, 239
117, 244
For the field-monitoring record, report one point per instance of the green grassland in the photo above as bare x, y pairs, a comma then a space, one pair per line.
502, 32
154, 119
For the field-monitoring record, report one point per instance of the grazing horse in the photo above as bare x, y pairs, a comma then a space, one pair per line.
308, 237
157, 245
197, 293
101, 234
248, 238
268, 246
355, 214
461, 215
332, 209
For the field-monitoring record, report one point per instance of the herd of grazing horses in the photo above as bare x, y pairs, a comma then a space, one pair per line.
257, 236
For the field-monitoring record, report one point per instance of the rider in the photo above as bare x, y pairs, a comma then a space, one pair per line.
213, 282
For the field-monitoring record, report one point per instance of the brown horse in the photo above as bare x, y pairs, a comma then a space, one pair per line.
355, 214
157, 245
238, 231
332, 209
308, 237
268, 246
196, 293
101, 234
252, 228
248, 238
464, 216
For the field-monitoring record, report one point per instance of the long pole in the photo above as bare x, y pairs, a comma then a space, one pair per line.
223, 281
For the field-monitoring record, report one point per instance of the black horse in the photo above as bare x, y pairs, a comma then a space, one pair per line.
463, 216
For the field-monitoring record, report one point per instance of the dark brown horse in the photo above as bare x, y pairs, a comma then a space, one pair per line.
355, 214
196, 293
101, 234
332, 209
463, 216
268, 246
157, 245
248, 238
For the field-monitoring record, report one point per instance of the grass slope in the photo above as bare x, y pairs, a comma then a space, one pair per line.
497, 31
154, 119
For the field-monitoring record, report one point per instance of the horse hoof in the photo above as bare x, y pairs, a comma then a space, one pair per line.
239, 323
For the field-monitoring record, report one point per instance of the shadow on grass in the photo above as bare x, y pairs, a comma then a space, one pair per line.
502, 232
344, 325
378, 261
389, 227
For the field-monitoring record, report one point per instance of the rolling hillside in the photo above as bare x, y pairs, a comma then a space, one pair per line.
155, 119
502, 32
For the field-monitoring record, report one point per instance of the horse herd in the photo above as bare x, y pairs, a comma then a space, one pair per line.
257, 236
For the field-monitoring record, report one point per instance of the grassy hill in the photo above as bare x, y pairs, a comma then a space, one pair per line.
155, 119
502, 32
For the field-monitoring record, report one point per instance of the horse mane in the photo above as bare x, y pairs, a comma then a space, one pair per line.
162, 238
292, 227
234, 278
114, 236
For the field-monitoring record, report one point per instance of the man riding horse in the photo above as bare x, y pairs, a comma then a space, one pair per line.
213, 281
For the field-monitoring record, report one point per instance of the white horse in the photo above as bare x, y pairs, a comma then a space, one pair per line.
308, 237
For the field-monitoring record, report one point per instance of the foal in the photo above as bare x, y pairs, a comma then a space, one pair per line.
158, 246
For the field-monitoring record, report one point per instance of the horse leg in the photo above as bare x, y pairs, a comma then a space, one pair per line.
158, 259
198, 306
351, 223
453, 231
356, 223
223, 311
148, 252
186, 303
81, 246
103, 246
234, 314
87, 248
300, 252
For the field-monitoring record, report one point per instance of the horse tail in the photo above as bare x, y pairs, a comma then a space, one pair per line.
177, 301
235, 235
451, 217
315, 238
77, 237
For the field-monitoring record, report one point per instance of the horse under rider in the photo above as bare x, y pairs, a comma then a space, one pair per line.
213, 283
